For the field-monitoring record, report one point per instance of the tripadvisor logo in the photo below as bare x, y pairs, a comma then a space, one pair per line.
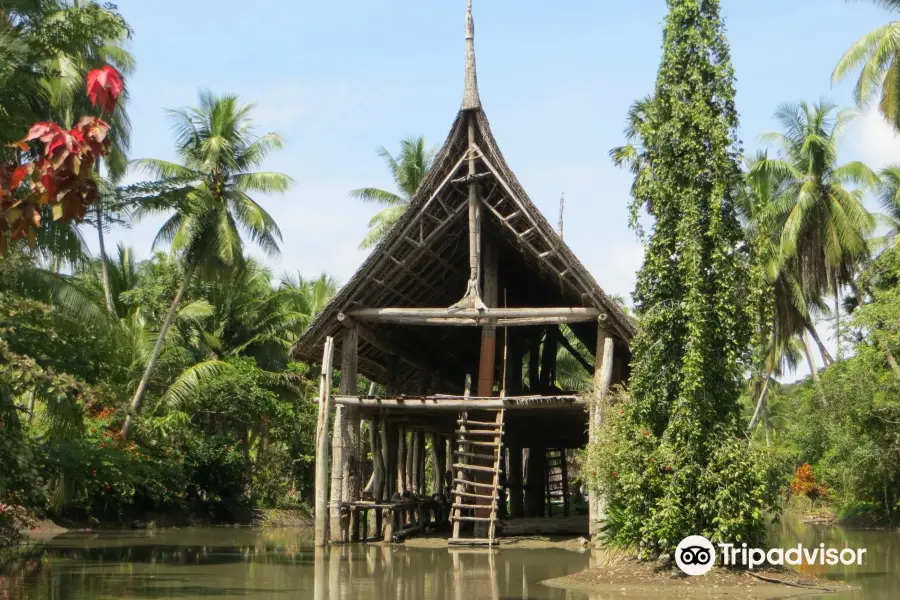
695, 555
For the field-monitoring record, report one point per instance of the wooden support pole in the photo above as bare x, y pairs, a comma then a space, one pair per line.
401, 460
422, 451
414, 462
575, 354
377, 460
385, 445
351, 422
410, 458
337, 473
437, 463
603, 367
473, 293
325, 408
489, 332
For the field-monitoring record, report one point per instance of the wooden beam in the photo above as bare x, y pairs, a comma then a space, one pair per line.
575, 354
367, 336
585, 285
325, 407
389, 315
457, 403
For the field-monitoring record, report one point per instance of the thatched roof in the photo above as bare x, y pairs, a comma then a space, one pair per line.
423, 261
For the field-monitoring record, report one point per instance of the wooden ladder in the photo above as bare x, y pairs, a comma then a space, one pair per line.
478, 450
557, 489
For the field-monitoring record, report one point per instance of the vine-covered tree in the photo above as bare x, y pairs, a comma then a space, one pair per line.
676, 463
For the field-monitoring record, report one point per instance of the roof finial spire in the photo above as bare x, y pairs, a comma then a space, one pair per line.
470, 96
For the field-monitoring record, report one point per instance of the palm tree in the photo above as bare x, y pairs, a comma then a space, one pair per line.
634, 156
308, 296
817, 208
786, 309
878, 55
408, 170
209, 192
888, 193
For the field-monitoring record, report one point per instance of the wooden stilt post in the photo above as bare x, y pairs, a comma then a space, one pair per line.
401, 459
421, 481
603, 368
414, 462
351, 422
410, 459
326, 403
437, 464
377, 460
337, 474
488, 332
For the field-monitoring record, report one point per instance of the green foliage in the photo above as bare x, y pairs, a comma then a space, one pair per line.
877, 56
408, 170
679, 435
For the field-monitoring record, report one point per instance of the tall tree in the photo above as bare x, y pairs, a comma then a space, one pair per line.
408, 169
68, 69
817, 209
680, 435
209, 191
877, 55
888, 192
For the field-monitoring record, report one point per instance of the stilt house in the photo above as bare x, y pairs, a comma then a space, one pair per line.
459, 315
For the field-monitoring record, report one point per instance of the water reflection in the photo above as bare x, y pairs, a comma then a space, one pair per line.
212, 563
227, 563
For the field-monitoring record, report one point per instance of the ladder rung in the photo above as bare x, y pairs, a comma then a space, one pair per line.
494, 444
474, 495
473, 455
473, 506
482, 519
479, 432
474, 468
480, 423
489, 486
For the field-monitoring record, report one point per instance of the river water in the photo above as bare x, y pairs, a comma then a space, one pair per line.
220, 563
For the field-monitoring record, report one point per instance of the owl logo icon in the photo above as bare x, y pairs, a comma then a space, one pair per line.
695, 555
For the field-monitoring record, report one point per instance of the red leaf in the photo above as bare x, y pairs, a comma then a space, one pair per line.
18, 175
104, 86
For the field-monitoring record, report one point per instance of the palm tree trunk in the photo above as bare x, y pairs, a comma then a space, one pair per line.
826, 356
104, 271
760, 404
837, 321
157, 348
814, 372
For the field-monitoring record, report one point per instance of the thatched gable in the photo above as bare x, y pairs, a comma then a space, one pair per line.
424, 262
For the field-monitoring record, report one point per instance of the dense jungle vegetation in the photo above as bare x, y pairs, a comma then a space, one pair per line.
136, 390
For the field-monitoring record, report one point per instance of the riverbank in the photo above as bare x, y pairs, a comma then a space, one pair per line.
629, 578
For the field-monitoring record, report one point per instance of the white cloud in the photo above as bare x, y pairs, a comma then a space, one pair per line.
875, 141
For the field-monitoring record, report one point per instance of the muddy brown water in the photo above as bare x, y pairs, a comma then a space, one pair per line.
225, 563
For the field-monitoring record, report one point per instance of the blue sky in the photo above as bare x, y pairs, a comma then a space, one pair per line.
338, 79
